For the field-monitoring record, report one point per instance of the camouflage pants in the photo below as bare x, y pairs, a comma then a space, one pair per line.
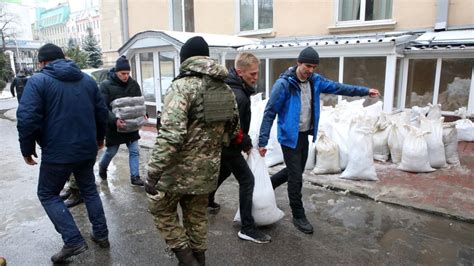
193, 232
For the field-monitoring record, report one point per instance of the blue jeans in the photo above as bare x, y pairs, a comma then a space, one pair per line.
133, 157
52, 178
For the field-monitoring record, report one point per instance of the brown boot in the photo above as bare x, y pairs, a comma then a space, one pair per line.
185, 257
200, 256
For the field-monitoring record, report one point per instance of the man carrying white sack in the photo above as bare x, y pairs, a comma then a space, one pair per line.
295, 98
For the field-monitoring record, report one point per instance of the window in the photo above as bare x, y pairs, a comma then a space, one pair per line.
277, 67
455, 83
166, 71
183, 15
256, 14
148, 82
364, 10
365, 71
421, 79
328, 68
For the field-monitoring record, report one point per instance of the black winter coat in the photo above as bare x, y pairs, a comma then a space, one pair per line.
242, 93
113, 88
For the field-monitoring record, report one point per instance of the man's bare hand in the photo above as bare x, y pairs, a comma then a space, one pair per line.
100, 144
374, 93
262, 151
120, 123
29, 159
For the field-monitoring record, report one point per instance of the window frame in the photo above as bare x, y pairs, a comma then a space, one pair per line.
255, 30
183, 16
361, 21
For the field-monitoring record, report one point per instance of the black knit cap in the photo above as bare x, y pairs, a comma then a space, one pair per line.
122, 64
49, 52
308, 55
194, 47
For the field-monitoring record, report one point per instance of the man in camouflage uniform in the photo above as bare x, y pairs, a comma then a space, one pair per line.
199, 115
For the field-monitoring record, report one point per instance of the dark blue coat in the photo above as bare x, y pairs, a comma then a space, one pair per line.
61, 109
285, 100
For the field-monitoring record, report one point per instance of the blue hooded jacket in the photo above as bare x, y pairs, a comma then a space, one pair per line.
285, 100
61, 109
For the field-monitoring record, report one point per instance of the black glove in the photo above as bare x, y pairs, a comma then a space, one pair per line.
150, 186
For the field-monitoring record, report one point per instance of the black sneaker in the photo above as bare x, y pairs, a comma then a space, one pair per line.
67, 252
303, 225
102, 242
103, 173
74, 199
136, 181
213, 207
254, 235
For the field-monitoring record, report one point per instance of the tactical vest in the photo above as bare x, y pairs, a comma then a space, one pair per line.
217, 99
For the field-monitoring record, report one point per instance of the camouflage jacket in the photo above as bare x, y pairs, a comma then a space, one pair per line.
186, 155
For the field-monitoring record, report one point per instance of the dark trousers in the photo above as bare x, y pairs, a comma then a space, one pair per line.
295, 161
52, 178
237, 165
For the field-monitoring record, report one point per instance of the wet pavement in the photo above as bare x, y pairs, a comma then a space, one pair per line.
348, 229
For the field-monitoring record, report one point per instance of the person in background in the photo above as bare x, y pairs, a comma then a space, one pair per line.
120, 85
199, 115
295, 99
63, 111
242, 79
19, 82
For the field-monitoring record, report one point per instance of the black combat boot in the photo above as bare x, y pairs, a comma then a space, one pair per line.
136, 181
185, 257
74, 199
200, 256
67, 252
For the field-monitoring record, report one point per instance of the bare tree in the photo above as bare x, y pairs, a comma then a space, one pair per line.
8, 25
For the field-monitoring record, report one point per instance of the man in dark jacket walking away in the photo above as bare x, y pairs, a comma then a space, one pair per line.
242, 79
295, 98
63, 111
120, 85
19, 82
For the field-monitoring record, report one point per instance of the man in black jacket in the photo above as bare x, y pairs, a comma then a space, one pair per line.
119, 85
19, 82
242, 79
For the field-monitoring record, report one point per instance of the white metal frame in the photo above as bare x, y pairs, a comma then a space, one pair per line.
171, 16
361, 21
255, 30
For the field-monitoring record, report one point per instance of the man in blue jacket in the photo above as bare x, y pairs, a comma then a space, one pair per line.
63, 111
295, 98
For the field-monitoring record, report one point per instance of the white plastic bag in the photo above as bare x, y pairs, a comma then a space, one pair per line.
264, 208
395, 142
435, 111
450, 141
311, 154
380, 139
327, 156
415, 152
434, 140
464, 126
360, 165
339, 133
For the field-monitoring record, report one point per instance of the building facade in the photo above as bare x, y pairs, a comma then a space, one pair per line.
51, 25
412, 57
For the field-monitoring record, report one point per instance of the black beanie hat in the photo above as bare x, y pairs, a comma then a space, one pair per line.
49, 52
308, 55
122, 64
194, 47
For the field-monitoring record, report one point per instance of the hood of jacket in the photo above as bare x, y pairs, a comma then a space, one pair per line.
204, 65
62, 69
290, 76
236, 82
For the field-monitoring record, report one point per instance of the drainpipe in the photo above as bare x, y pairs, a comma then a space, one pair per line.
124, 20
442, 15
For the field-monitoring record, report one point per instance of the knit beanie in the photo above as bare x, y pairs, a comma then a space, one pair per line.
194, 47
308, 55
49, 52
122, 64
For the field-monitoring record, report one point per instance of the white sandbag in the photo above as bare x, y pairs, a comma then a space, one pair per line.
339, 133
311, 154
360, 165
450, 141
435, 111
128, 101
434, 140
464, 126
129, 112
374, 110
264, 208
132, 125
380, 139
416, 114
415, 152
274, 153
395, 142
327, 156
